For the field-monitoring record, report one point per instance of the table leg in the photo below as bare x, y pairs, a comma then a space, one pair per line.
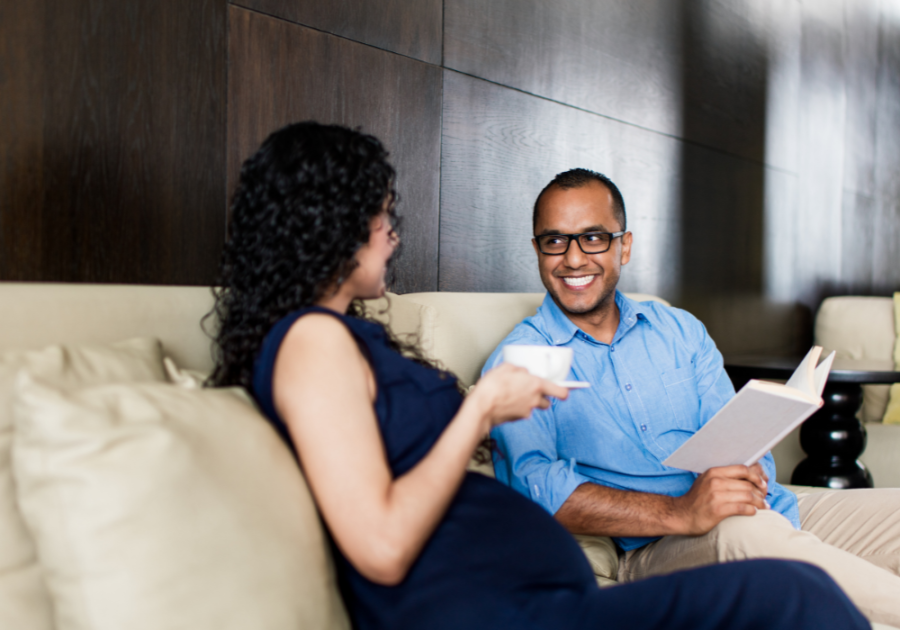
833, 440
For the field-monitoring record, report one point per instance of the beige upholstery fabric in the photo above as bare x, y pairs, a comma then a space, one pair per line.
860, 328
155, 506
24, 601
35, 315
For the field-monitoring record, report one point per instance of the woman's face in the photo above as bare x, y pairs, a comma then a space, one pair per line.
367, 280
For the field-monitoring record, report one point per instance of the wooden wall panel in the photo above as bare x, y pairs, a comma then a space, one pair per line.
21, 137
619, 58
502, 146
125, 154
886, 252
653, 64
281, 72
408, 27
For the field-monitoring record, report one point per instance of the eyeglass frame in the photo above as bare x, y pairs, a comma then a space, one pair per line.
575, 237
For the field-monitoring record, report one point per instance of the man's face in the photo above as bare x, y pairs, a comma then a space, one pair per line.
581, 283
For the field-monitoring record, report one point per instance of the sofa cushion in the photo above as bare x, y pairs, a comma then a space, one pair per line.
156, 506
24, 601
859, 328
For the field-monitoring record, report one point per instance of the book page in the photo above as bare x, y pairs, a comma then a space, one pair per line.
802, 378
821, 374
743, 431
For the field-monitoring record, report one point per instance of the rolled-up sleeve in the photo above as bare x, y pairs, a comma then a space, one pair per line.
526, 460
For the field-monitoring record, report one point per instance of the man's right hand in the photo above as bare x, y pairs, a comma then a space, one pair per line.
719, 493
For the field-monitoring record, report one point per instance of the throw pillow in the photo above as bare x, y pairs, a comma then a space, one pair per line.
159, 507
892, 413
24, 601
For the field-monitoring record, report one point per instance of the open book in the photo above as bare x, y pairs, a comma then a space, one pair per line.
756, 419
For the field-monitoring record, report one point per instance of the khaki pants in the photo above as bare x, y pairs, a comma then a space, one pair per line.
854, 535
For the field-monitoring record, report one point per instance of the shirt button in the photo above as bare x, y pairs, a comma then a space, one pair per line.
628, 386
611, 349
643, 427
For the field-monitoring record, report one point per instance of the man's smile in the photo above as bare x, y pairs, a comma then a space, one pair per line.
577, 282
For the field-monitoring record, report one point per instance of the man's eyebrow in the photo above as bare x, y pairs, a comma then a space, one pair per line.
593, 228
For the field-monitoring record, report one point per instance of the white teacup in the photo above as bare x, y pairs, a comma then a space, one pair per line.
547, 362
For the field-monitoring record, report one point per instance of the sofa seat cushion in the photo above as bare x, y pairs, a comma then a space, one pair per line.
24, 600
157, 506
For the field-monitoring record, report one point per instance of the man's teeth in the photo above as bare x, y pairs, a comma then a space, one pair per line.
578, 282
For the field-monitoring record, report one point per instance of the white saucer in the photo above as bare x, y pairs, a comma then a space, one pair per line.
573, 384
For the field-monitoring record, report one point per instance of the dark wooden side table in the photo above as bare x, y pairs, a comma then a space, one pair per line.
832, 438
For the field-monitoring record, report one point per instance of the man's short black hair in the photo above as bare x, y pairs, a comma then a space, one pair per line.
576, 178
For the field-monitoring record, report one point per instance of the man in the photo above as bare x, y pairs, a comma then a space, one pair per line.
595, 460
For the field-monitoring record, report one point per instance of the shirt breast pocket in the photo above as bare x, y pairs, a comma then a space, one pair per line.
684, 402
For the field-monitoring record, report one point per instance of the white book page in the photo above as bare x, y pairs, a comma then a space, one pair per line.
802, 378
821, 375
743, 431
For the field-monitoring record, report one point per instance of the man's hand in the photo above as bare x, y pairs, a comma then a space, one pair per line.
715, 495
719, 493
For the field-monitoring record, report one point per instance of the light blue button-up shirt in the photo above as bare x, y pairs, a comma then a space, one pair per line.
654, 386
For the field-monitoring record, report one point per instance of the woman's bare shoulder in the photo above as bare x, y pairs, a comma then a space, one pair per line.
318, 338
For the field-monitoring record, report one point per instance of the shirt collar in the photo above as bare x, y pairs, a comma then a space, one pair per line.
561, 329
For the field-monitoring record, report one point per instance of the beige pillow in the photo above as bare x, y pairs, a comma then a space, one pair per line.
24, 601
599, 550
155, 507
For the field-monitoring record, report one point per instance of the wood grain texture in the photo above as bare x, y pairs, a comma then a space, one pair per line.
408, 27
653, 64
21, 138
281, 72
130, 126
619, 58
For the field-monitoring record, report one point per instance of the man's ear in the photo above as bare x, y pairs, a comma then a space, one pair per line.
626, 248
535, 246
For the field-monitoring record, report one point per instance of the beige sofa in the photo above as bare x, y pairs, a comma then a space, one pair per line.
131, 498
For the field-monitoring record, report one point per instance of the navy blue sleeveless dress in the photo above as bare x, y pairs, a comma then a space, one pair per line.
499, 561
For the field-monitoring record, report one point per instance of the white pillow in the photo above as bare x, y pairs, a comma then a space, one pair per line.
24, 601
156, 507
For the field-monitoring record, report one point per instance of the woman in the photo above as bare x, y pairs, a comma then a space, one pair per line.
384, 440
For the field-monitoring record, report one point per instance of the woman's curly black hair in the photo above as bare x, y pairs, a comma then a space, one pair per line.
301, 211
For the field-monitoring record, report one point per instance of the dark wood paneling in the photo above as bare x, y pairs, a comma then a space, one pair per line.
617, 58
501, 147
21, 141
817, 219
886, 254
861, 51
281, 73
629, 60
408, 27
126, 149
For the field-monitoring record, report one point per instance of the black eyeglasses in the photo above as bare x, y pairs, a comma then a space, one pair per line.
589, 242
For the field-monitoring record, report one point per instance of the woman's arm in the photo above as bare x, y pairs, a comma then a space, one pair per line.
324, 390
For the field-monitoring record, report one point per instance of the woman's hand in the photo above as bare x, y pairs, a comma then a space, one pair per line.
509, 393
